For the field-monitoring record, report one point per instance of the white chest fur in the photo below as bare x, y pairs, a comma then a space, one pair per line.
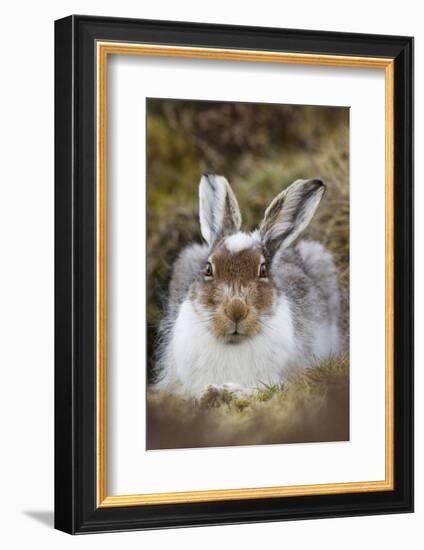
195, 358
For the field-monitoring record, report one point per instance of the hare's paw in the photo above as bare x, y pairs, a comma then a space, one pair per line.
216, 395
237, 391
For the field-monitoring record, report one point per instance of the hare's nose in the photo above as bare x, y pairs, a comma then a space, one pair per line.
236, 310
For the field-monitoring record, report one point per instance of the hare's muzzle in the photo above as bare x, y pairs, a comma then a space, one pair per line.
235, 321
236, 310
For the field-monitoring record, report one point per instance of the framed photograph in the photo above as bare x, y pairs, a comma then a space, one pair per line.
234, 274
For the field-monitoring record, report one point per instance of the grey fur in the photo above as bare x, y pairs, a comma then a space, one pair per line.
186, 268
290, 212
310, 282
219, 211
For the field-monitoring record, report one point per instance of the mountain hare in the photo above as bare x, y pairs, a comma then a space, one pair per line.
246, 308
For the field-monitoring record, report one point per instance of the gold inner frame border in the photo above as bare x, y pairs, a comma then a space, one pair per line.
103, 50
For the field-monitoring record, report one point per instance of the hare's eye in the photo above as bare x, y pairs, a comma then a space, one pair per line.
208, 270
263, 271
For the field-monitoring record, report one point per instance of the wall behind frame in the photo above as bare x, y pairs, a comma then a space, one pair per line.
26, 277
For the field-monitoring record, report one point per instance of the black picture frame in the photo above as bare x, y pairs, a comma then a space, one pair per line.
75, 275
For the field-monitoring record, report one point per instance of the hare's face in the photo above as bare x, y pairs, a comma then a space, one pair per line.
234, 294
235, 291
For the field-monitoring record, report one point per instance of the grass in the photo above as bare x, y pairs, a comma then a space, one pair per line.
312, 406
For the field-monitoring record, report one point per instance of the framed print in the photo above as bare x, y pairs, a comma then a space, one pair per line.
234, 268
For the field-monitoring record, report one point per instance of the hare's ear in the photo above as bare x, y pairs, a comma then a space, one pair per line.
219, 211
290, 213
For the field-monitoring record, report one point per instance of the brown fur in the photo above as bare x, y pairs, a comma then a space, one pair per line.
235, 295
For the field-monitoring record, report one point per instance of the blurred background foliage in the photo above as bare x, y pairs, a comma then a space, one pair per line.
260, 148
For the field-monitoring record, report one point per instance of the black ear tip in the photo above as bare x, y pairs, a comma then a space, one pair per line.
317, 185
